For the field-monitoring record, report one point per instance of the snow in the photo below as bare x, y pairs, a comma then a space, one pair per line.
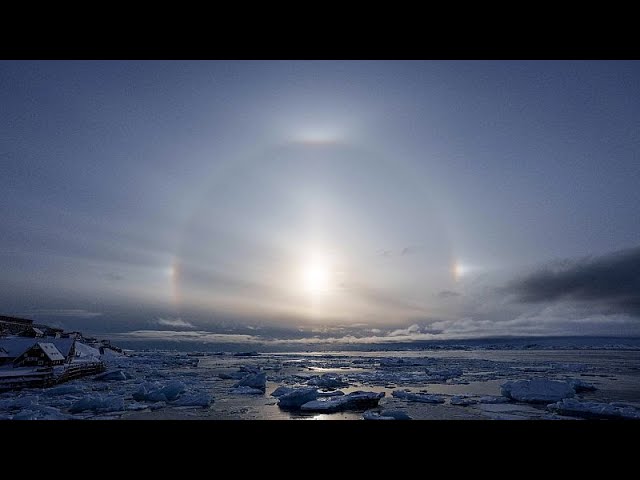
354, 401
51, 351
417, 397
85, 351
295, 398
573, 407
537, 390
385, 415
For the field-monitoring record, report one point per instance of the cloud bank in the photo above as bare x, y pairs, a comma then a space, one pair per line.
610, 283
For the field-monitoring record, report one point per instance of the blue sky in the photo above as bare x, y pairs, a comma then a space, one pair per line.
351, 198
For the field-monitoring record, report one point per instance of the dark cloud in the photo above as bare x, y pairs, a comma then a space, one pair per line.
611, 281
448, 294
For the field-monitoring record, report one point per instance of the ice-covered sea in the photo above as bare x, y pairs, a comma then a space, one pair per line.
426, 384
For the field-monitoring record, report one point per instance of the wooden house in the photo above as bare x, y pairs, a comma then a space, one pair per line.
40, 354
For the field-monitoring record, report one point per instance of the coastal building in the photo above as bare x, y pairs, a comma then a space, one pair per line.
40, 354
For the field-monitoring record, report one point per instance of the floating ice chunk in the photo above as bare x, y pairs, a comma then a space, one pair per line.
282, 390
463, 401
201, 399
327, 380
20, 403
62, 390
98, 403
297, 397
537, 390
331, 393
385, 415
244, 390
354, 401
573, 407
154, 392
417, 397
135, 406
582, 386
257, 381
157, 405
173, 389
26, 415
113, 376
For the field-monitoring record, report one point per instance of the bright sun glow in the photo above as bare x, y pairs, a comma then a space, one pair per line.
460, 270
316, 275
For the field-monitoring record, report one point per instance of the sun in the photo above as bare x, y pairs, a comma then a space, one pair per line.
316, 275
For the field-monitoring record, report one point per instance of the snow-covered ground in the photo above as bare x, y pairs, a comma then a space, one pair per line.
450, 384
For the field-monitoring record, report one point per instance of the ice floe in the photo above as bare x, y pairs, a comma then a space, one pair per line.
385, 415
573, 407
417, 397
537, 390
295, 398
358, 400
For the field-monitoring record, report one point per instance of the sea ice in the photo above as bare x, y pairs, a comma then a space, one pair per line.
327, 381
98, 403
582, 386
62, 390
257, 381
201, 399
385, 415
297, 397
537, 390
463, 401
417, 397
244, 390
353, 401
572, 407
282, 390
113, 376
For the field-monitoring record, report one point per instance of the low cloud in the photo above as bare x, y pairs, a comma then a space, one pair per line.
448, 294
63, 312
405, 331
611, 283
174, 322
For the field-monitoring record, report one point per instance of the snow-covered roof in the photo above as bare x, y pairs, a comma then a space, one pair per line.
38, 331
51, 351
15, 346
83, 350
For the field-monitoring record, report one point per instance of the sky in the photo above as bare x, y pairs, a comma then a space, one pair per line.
321, 201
